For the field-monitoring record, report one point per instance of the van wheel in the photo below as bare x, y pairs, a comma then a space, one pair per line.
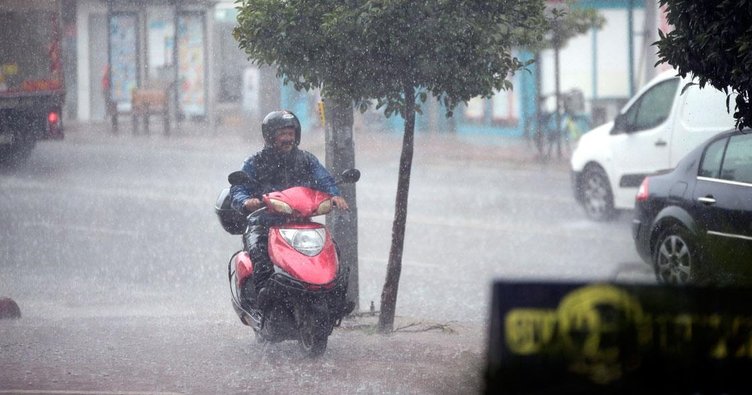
597, 198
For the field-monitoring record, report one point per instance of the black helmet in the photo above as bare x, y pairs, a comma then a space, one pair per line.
277, 120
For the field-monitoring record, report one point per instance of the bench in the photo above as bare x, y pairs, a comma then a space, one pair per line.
148, 102
145, 102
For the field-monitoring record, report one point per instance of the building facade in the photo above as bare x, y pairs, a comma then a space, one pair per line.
122, 45
187, 47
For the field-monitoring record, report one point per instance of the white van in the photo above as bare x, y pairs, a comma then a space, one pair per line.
656, 128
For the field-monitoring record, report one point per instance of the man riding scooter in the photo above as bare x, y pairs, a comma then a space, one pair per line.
278, 166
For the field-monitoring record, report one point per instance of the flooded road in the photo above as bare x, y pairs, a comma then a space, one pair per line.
112, 250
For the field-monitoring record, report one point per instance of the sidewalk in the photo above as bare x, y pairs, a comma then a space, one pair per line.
429, 147
508, 151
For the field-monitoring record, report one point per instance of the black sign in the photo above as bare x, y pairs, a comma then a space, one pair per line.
554, 338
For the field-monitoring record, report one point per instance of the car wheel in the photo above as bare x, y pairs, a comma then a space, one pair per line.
597, 198
675, 257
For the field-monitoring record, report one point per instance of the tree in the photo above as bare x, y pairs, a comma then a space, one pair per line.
396, 53
563, 22
712, 42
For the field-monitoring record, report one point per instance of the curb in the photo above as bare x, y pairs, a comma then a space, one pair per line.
428, 146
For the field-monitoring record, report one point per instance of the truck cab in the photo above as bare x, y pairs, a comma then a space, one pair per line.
665, 120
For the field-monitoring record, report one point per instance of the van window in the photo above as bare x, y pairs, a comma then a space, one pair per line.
653, 107
706, 108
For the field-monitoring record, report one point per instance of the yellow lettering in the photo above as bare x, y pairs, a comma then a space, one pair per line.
719, 351
683, 324
529, 330
591, 319
741, 337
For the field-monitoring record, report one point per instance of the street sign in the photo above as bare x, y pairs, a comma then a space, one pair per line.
554, 338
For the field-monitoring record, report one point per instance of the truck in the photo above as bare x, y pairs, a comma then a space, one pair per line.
657, 127
32, 90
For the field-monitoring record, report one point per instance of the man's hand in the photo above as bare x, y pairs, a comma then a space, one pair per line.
340, 202
252, 204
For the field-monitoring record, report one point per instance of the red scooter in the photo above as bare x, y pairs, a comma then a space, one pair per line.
304, 299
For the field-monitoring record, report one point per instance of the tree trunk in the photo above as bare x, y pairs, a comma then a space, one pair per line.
394, 267
340, 156
557, 77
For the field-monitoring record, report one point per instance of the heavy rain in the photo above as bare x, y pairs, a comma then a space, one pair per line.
111, 248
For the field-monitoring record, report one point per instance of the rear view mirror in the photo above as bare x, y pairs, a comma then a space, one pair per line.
349, 176
238, 178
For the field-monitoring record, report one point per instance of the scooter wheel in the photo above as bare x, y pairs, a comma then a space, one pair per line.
315, 328
312, 342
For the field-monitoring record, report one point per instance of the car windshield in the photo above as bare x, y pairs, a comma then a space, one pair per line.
653, 107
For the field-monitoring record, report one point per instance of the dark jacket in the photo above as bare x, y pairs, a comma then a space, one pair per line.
270, 171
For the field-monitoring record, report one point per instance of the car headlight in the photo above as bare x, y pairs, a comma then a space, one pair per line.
308, 242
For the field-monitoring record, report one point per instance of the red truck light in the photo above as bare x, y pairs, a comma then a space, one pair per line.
54, 126
52, 118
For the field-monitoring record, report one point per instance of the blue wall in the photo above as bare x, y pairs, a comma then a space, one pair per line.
299, 104
524, 119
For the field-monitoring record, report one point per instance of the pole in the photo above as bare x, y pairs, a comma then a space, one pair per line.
630, 40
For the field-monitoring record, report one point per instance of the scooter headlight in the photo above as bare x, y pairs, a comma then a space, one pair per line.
308, 242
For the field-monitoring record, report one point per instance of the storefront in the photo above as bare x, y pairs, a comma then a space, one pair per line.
144, 44
160, 44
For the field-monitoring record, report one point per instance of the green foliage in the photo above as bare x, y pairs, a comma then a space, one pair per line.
365, 50
711, 41
565, 21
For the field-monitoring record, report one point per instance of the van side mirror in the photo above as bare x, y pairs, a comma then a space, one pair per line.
619, 124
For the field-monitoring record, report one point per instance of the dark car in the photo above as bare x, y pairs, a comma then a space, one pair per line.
694, 223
